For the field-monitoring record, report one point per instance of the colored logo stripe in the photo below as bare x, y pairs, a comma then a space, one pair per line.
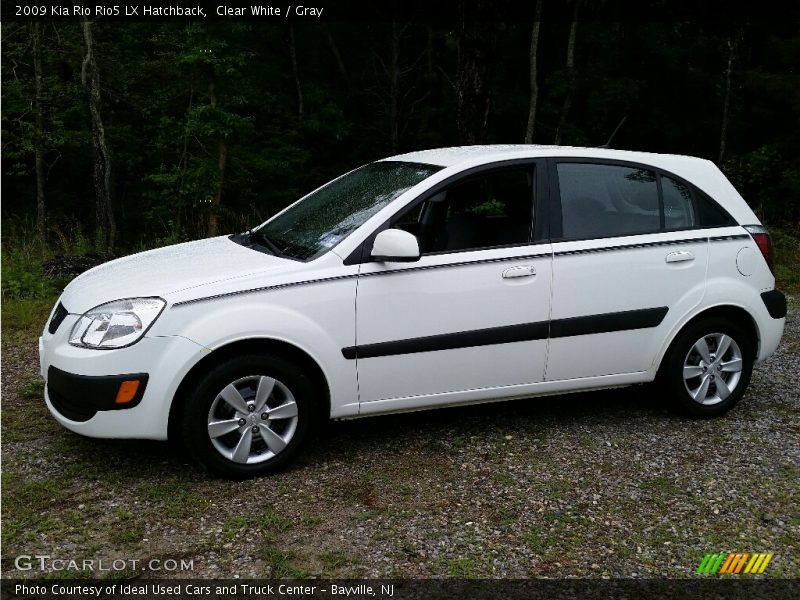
711, 563
737, 562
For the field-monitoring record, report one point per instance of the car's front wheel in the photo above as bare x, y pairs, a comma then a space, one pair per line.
249, 416
708, 367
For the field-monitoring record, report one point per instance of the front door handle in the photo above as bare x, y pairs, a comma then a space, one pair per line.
680, 256
522, 271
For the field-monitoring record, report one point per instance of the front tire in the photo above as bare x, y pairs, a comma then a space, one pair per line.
249, 416
708, 368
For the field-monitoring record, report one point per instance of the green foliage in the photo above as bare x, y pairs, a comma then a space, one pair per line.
22, 276
787, 259
178, 98
490, 207
19, 283
25, 316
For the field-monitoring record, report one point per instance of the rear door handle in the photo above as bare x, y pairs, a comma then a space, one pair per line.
680, 256
522, 271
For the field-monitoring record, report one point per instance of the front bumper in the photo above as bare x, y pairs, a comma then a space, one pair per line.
81, 397
82, 384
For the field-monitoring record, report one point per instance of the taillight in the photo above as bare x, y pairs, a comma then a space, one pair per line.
763, 240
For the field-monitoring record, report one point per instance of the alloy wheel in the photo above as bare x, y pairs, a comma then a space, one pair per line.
712, 368
252, 419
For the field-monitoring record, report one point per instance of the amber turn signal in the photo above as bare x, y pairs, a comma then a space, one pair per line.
127, 391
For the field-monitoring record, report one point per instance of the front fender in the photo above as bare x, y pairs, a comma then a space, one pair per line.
320, 321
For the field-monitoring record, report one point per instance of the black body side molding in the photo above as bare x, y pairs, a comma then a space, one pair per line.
618, 321
604, 323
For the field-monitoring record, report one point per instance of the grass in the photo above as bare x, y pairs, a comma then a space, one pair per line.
787, 259
129, 535
333, 560
233, 526
178, 498
533, 540
280, 564
459, 568
504, 479
32, 390
35, 508
23, 319
272, 522
661, 486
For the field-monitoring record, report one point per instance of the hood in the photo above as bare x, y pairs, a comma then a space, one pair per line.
166, 271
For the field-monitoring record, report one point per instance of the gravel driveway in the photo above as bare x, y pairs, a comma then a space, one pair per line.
584, 485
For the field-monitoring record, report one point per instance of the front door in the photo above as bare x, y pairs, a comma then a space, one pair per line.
472, 314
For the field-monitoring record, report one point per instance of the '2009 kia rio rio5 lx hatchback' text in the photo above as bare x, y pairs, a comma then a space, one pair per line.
436, 278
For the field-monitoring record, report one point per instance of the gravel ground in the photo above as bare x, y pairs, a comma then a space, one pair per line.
603, 484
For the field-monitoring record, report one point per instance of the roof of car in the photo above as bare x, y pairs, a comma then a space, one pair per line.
448, 157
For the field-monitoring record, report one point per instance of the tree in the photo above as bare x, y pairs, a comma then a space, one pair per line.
392, 89
39, 135
473, 72
104, 213
571, 75
732, 45
532, 56
295, 71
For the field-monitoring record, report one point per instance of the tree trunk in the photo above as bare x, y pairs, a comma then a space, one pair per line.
183, 165
222, 161
104, 214
336, 55
296, 74
472, 84
537, 21
562, 119
726, 102
38, 140
394, 89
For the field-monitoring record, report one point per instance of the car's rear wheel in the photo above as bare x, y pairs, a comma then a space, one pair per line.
708, 368
249, 416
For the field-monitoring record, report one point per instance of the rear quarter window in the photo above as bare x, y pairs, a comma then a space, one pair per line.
709, 213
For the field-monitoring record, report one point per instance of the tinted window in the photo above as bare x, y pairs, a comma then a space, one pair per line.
678, 212
495, 209
324, 218
710, 214
607, 200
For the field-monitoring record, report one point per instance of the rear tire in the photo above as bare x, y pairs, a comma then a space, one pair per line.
249, 416
707, 369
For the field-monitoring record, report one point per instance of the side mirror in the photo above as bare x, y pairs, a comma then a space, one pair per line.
395, 245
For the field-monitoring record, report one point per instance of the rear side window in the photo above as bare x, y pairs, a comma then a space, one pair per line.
678, 212
607, 200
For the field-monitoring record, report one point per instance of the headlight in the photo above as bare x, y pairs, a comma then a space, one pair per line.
116, 324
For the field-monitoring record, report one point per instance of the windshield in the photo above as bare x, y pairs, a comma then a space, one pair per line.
324, 218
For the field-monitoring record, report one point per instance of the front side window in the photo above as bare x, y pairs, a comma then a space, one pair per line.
483, 211
325, 217
607, 200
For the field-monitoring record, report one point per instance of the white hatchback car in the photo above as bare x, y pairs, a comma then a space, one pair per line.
435, 278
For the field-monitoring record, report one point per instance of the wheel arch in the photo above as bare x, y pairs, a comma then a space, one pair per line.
238, 348
733, 313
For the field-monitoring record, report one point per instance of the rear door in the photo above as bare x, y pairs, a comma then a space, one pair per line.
628, 262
